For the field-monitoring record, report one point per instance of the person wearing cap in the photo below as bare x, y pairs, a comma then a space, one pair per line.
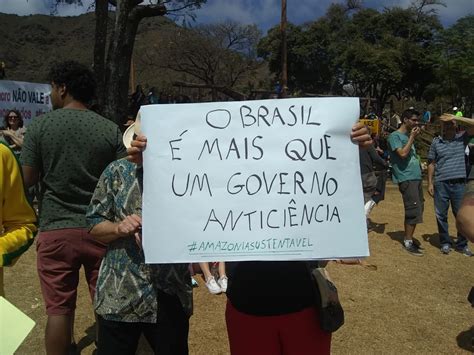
447, 180
134, 298
66, 150
464, 217
407, 174
457, 112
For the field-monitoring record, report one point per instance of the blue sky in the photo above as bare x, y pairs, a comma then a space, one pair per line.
264, 13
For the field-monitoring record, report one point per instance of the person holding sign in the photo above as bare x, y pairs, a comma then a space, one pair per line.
134, 298
407, 174
271, 306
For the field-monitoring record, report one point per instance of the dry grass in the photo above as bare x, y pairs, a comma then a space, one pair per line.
408, 305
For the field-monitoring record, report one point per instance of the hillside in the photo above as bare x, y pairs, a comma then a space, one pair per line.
30, 44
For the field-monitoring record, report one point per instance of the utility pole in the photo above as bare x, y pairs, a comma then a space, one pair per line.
284, 62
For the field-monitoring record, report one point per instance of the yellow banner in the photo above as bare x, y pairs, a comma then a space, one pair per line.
374, 125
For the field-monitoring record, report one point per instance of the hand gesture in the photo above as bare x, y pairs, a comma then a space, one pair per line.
7, 133
129, 226
447, 117
415, 131
360, 135
135, 152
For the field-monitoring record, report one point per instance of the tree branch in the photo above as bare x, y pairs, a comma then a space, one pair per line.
140, 12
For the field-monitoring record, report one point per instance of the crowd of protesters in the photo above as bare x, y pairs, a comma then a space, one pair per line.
450, 158
90, 216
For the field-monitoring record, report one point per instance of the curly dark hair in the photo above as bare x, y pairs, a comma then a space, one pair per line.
77, 78
407, 114
5, 118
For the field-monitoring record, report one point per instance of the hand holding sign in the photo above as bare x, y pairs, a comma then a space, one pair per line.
259, 180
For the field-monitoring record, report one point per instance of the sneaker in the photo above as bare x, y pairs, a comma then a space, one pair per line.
413, 249
368, 207
418, 245
194, 283
465, 251
445, 249
223, 283
212, 286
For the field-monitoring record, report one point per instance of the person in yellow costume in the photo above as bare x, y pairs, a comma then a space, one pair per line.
17, 217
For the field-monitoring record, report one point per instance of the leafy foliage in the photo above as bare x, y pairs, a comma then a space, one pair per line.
455, 64
377, 54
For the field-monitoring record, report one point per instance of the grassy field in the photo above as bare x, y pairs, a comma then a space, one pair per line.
408, 305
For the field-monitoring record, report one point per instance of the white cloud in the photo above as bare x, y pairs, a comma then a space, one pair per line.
24, 7
245, 11
308, 10
455, 9
33, 7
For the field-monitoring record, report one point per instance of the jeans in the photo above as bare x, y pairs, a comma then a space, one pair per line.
445, 192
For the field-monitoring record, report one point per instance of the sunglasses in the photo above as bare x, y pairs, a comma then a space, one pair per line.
12, 116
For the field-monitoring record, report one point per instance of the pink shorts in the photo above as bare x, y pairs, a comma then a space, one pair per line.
60, 255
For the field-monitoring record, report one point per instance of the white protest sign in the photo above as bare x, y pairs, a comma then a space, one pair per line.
31, 99
252, 180
14, 327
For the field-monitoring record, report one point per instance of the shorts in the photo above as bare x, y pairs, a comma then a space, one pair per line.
413, 201
60, 255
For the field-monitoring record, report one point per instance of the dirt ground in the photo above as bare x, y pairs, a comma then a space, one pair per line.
408, 305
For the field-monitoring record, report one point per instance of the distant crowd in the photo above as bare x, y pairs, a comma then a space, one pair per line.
89, 180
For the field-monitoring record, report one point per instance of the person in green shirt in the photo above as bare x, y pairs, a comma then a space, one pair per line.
457, 112
406, 172
66, 150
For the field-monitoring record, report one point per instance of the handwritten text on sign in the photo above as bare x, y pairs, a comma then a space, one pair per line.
252, 180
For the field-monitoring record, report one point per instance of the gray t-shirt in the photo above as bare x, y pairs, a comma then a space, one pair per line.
449, 157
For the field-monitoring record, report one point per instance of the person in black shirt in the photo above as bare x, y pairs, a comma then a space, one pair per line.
271, 306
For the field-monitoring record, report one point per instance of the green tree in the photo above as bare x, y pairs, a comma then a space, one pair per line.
455, 69
362, 52
113, 52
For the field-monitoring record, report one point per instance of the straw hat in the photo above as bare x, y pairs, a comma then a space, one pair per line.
134, 129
